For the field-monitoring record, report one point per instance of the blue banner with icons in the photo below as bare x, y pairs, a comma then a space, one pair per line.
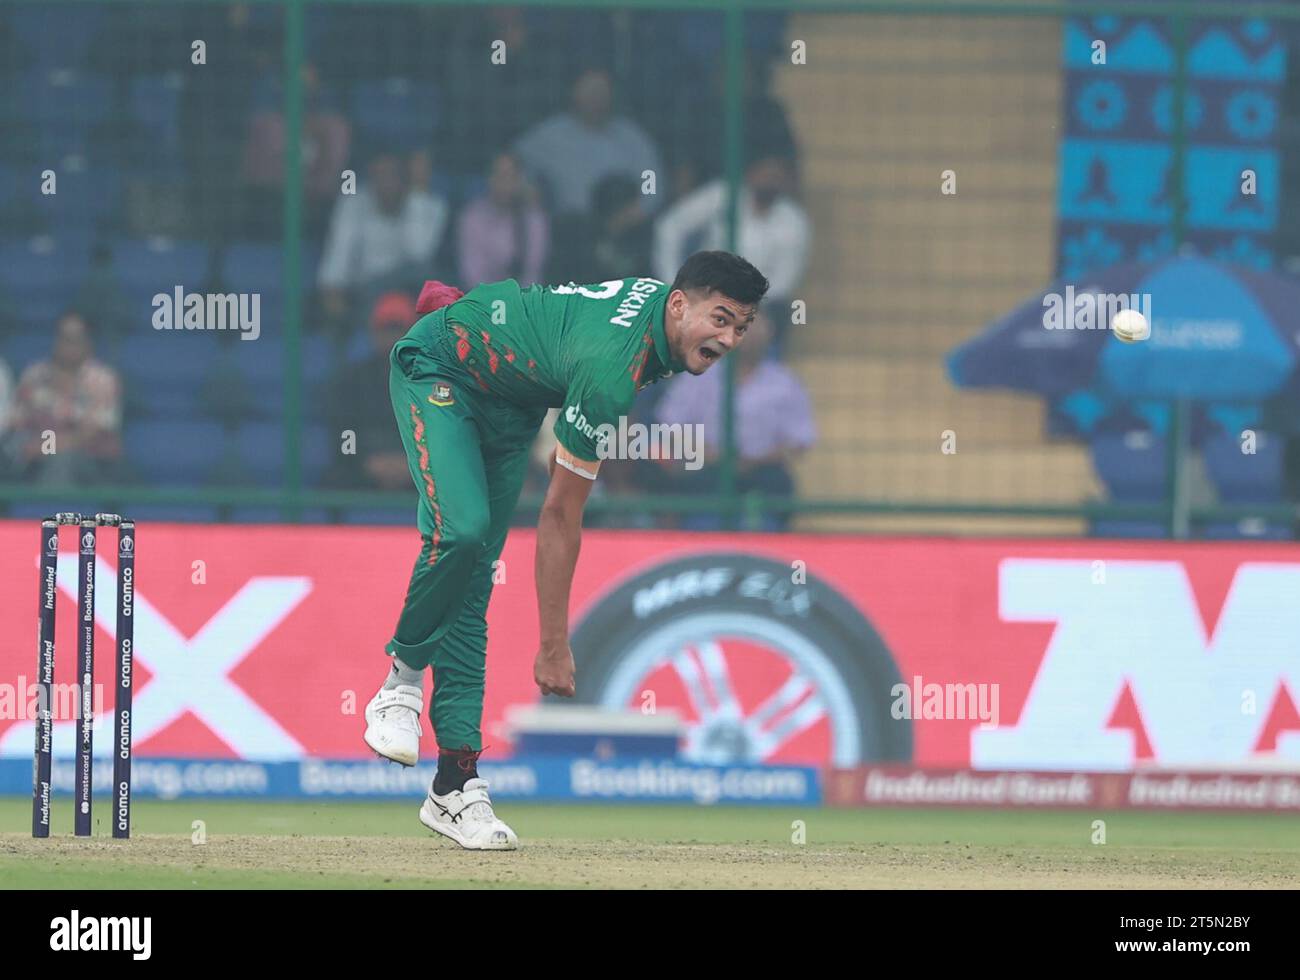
1115, 200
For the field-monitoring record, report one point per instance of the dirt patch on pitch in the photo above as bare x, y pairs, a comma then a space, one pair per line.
351, 861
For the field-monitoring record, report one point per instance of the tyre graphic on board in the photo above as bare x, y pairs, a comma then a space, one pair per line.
760, 668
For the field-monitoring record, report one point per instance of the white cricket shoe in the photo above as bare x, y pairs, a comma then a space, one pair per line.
466, 817
393, 723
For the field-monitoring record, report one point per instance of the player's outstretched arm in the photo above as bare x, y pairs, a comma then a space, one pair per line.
559, 536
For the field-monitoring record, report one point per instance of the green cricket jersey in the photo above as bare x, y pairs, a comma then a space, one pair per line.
587, 349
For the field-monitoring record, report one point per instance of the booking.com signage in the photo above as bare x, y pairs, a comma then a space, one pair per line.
536, 778
263, 645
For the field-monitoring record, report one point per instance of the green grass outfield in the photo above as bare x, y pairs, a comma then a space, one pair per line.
359, 845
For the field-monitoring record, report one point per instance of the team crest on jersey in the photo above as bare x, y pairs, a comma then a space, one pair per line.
441, 394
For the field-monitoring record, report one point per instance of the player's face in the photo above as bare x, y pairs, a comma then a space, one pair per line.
712, 326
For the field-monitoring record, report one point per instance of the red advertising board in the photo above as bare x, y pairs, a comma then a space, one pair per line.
265, 642
1142, 789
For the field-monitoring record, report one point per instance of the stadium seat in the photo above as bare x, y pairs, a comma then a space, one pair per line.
260, 447
1249, 478
1132, 464
39, 275
380, 515
396, 110
259, 269
86, 200
701, 34
1247, 529
261, 452
148, 267
68, 98
319, 361
1128, 529
175, 453
9, 192
253, 267
55, 501
261, 364
319, 449
309, 258
273, 515
226, 395
248, 379
66, 109
359, 347
31, 344
165, 372
152, 133
53, 39
154, 106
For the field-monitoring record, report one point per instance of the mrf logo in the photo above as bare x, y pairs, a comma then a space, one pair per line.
1137, 647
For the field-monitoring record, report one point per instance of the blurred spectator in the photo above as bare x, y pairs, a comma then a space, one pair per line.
570, 152
773, 419
325, 137
489, 102
503, 234
684, 118
772, 228
101, 290
217, 98
622, 234
766, 125
386, 233
359, 404
76, 398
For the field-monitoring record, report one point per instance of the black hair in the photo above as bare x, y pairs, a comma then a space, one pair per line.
724, 273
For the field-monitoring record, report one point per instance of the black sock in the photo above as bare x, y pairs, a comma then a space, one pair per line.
455, 769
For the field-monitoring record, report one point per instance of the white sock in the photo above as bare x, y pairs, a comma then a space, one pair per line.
404, 676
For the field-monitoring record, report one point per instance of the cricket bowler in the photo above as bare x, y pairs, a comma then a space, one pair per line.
470, 383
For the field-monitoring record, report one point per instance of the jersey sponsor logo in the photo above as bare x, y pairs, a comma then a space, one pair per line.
441, 394
573, 415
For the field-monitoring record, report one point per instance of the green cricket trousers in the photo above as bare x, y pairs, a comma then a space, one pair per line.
468, 454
